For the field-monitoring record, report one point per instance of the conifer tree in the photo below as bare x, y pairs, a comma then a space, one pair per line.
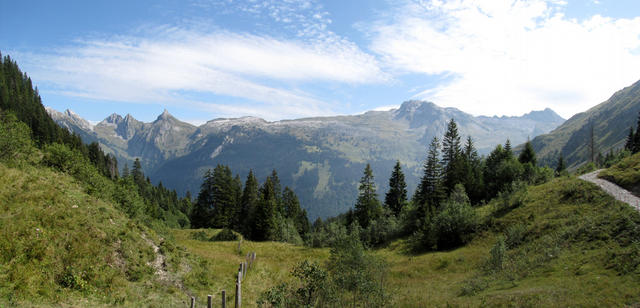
396, 197
224, 197
451, 157
248, 204
507, 148
203, 209
265, 216
473, 179
125, 171
367, 207
630, 139
528, 155
561, 165
430, 191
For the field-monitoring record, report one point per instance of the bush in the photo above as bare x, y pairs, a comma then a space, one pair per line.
496, 261
199, 235
455, 224
515, 235
15, 139
225, 235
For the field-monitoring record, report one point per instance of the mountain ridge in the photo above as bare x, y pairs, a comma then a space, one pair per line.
321, 158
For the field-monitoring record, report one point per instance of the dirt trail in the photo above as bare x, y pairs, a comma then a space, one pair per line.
157, 264
614, 190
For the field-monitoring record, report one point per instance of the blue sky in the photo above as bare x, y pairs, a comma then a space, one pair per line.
203, 59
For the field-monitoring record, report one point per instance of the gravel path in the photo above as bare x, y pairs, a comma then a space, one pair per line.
616, 191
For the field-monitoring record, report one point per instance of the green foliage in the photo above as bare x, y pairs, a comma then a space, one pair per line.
367, 207
200, 235
625, 173
15, 139
396, 197
497, 255
225, 234
455, 224
312, 289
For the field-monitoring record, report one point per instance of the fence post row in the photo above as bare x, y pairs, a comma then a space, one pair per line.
242, 272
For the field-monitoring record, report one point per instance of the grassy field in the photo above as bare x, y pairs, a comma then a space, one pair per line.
569, 245
626, 173
59, 246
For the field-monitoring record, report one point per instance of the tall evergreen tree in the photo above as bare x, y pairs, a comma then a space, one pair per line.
125, 171
507, 148
396, 197
265, 214
203, 209
277, 190
367, 207
225, 193
473, 179
451, 157
630, 139
294, 212
528, 155
430, 191
560, 166
248, 204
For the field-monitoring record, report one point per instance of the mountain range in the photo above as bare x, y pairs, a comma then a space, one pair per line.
609, 120
321, 158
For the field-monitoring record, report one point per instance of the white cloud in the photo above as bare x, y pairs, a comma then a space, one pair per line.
166, 62
509, 57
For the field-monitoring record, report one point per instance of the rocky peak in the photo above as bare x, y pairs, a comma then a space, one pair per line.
165, 116
546, 115
114, 118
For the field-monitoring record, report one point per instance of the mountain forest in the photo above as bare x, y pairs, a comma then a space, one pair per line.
451, 224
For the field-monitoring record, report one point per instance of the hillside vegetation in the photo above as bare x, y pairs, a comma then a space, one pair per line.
626, 173
564, 243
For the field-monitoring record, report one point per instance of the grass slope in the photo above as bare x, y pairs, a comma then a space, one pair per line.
626, 174
568, 244
60, 246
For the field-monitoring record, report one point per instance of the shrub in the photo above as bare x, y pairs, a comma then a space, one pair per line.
199, 235
15, 138
454, 225
515, 235
225, 235
496, 260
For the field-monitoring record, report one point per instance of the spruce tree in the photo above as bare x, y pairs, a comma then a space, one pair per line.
528, 155
367, 207
224, 197
265, 215
630, 139
396, 197
473, 180
560, 165
248, 204
451, 157
202, 210
430, 191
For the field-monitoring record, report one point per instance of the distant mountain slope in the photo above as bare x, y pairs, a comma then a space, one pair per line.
611, 121
320, 158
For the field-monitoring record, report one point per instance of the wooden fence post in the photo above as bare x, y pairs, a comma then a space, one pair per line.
209, 301
224, 299
193, 302
238, 294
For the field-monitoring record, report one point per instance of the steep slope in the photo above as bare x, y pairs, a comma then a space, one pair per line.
610, 121
60, 245
320, 158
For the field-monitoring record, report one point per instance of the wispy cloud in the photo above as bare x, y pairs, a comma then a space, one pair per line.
169, 64
508, 57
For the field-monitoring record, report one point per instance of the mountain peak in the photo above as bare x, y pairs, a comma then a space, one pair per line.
114, 118
165, 115
546, 115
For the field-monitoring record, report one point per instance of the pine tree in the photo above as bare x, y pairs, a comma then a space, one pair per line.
248, 204
265, 218
561, 165
367, 207
451, 157
473, 180
507, 148
224, 197
528, 155
396, 197
430, 191
138, 176
203, 209
630, 139
277, 190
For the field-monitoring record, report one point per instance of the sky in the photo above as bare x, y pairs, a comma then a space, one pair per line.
206, 59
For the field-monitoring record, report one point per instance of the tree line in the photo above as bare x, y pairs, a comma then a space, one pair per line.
26, 125
259, 212
440, 213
